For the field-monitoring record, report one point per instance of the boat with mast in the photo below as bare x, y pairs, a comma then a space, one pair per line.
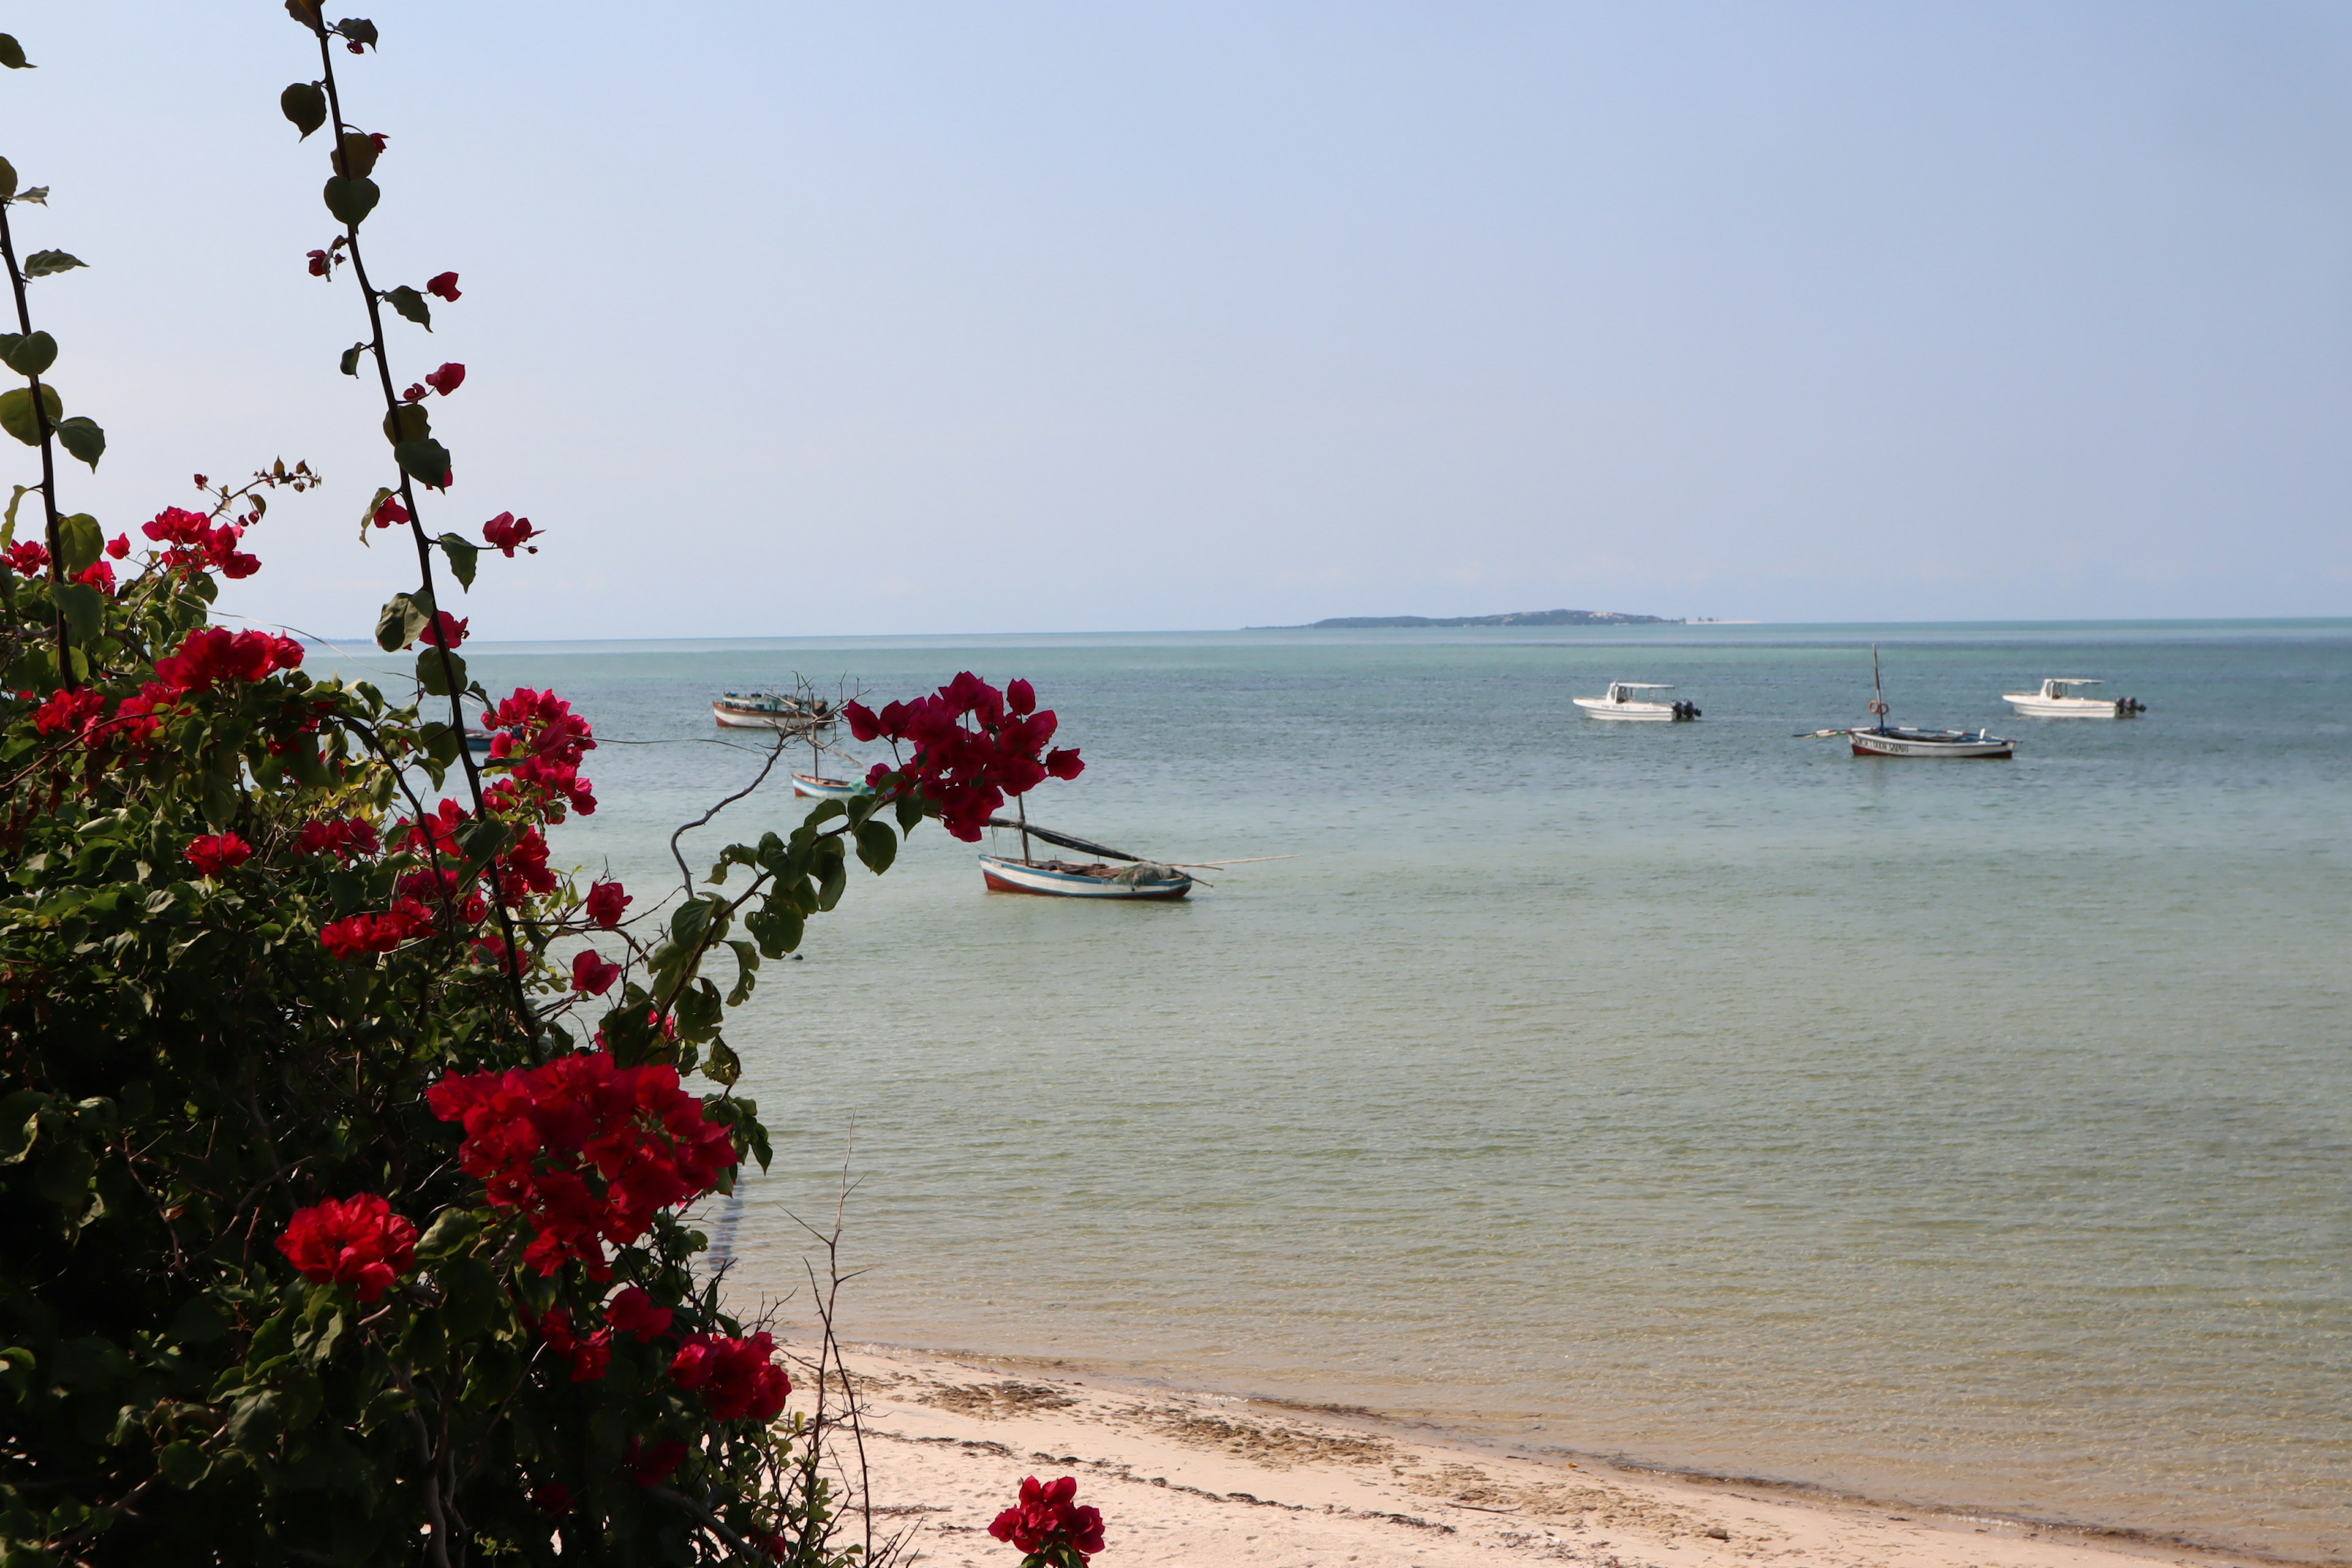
1880, 739
1135, 878
763, 709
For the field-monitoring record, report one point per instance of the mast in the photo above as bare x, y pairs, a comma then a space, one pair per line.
1877, 693
1023, 802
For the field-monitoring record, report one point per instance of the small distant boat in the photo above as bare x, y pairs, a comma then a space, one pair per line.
770, 710
815, 788
1880, 739
2059, 699
1095, 879
478, 742
1620, 704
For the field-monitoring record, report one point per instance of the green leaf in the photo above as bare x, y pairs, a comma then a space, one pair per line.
463, 555
359, 151
434, 677
724, 1066
7, 169
65, 1175
689, 924
351, 200
911, 811
219, 802
305, 105
37, 195
80, 541
42, 263
16, 412
833, 873
350, 360
12, 55
359, 30
253, 1426
183, 1464
453, 1232
426, 461
411, 304
402, 620
85, 610
197, 1322
778, 925
81, 436
30, 353
876, 845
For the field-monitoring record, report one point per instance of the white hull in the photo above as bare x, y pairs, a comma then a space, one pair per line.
811, 787
2038, 707
737, 718
1005, 876
1889, 743
1640, 712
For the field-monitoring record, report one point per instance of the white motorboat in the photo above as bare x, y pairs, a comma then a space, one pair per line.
1621, 703
2062, 700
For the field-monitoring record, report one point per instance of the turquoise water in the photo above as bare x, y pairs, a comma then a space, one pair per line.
1971, 1133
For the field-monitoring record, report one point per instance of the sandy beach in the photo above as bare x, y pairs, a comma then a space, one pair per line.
1187, 1479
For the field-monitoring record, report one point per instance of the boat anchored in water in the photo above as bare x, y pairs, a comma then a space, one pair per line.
2059, 699
1880, 739
1621, 704
1095, 878
761, 710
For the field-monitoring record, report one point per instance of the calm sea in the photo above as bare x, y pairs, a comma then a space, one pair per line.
1971, 1133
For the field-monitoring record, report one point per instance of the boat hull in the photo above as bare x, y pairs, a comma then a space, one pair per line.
1004, 876
1962, 748
2036, 707
1637, 712
825, 789
753, 719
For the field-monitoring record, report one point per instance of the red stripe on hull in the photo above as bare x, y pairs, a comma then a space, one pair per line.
1921, 756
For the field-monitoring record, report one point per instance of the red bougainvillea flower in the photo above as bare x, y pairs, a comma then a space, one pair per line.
445, 287
1045, 1518
318, 264
738, 1378
28, 557
586, 1151
217, 854
389, 513
74, 712
118, 546
604, 903
966, 773
632, 1312
413, 393
356, 1241
448, 379
196, 545
444, 630
347, 838
591, 975
652, 1466
589, 1356
551, 1498
539, 742
98, 575
507, 530
363, 936
215, 656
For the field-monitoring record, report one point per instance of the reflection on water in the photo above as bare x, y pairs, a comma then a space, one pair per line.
1973, 1133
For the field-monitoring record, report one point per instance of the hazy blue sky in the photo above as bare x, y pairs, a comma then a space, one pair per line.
792, 319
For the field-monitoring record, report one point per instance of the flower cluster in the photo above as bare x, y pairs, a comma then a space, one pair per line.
1047, 1524
27, 557
217, 854
739, 1379
541, 742
347, 838
212, 656
73, 712
586, 1151
363, 936
967, 773
506, 531
356, 1241
196, 545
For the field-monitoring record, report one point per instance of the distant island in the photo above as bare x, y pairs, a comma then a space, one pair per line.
1517, 619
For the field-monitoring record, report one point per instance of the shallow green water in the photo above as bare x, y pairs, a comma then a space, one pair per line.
1974, 1134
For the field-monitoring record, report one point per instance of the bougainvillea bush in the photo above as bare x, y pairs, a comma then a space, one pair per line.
349, 1147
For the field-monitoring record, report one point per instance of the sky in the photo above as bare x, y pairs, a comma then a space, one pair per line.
785, 319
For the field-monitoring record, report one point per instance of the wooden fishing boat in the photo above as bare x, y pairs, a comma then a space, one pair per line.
1135, 877
816, 788
2063, 698
1622, 704
1880, 739
761, 710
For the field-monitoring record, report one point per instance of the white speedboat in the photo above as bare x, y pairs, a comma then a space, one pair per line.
2062, 699
1621, 703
